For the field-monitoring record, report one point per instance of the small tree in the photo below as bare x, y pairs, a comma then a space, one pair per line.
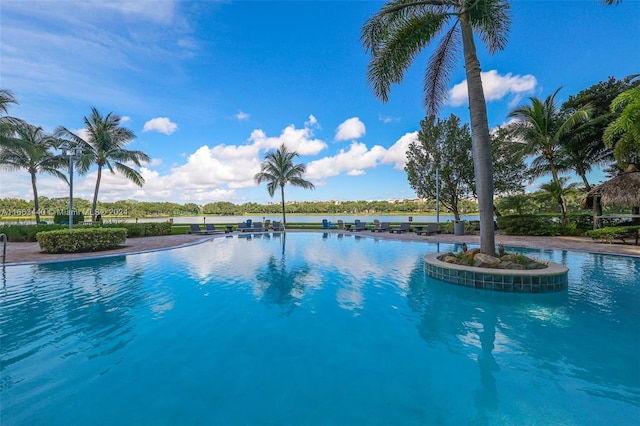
443, 149
278, 170
557, 191
446, 145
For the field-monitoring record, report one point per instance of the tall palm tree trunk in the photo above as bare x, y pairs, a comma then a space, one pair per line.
36, 204
95, 195
481, 141
587, 186
561, 200
284, 218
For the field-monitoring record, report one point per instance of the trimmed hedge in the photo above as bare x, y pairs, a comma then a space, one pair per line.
81, 239
26, 233
63, 218
147, 229
611, 233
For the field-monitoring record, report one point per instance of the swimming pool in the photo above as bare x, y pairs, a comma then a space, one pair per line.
313, 329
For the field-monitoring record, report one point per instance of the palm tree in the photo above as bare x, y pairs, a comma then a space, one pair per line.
104, 147
7, 123
278, 170
543, 129
402, 28
581, 156
30, 150
585, 148
557, 191
623, 134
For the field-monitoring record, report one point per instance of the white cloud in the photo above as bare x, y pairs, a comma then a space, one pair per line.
217, 172
210, 173
353, 162
161, 125
299, 140
312, 122
350, 129
386, 119
397, 153
242, 116
496, 87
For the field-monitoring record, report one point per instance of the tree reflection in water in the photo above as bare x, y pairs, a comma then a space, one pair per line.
280, 286
93, 312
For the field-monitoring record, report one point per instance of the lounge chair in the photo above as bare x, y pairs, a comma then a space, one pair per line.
242, 226
277, 226
360, 226
327, 225
212, 228
404, 227
257, 227
382, 227
432, 228
195, 229
340, 224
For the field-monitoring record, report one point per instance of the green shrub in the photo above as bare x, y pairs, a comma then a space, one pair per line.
141, 229
158, 228
446, 227
545, 224
81, 239
611, 233
529, 224
26, 233
60, 218
579, 223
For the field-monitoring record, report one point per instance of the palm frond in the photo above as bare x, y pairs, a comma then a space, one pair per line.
131, 174
491, 19
393, 55
439, 71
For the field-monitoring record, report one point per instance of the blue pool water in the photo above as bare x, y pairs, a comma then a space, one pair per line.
314, 330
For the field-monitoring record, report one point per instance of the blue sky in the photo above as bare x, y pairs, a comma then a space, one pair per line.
210, 87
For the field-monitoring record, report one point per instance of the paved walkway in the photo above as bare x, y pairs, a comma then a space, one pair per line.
22, 253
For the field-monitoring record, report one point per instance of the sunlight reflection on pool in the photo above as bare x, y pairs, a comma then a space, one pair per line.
314, 329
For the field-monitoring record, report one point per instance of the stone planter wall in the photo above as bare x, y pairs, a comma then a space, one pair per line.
551, 279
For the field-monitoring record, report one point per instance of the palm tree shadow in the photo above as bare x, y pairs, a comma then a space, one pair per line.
280, 286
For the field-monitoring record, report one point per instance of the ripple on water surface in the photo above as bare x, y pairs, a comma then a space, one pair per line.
313, 329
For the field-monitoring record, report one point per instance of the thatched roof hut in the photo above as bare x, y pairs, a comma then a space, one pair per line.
621, 191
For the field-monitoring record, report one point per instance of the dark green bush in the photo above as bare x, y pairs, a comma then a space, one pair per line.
544, 224
59, 218
612, 233
141, 229
529, 224
26, 233
158, 228
583, 222
81, 239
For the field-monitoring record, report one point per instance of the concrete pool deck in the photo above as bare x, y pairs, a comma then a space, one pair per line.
26, 253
